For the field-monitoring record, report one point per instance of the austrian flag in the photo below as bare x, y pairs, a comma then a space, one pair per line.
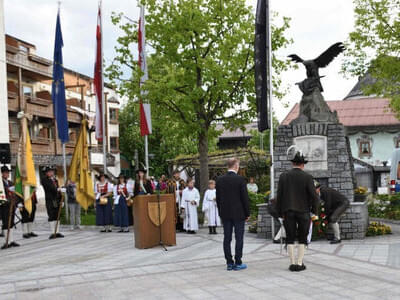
145, 119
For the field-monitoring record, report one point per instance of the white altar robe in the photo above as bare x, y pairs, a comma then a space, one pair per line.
210, 208
191, 221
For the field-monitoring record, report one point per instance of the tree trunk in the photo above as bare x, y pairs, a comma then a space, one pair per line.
203, 157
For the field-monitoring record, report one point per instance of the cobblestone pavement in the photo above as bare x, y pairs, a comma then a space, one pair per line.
88, 264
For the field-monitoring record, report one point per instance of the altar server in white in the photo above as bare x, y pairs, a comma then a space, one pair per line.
190, 201
210, 208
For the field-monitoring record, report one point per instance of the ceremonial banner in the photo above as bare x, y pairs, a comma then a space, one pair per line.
79, 171
260, 59
25, 178
98, 79
58, 87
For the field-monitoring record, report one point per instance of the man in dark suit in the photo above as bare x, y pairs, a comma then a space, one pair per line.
335, 205
296, 199
233, 207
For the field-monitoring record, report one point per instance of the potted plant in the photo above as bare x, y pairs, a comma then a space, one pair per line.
360, 194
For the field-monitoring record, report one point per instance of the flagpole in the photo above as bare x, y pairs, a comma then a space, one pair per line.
103, 102
271, 114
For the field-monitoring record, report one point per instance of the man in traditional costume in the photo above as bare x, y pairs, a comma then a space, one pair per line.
335, 204
53, 199
296, 199
28, 219
8, 209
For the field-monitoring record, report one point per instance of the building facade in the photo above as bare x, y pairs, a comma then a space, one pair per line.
29, 79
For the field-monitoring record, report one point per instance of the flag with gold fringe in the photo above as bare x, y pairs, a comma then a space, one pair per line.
25, 178
79, 171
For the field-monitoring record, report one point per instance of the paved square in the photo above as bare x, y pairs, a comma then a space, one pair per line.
88, 264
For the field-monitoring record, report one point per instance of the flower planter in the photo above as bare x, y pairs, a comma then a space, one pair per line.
360, 197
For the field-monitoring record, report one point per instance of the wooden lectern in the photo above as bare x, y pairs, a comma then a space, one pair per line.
147, 219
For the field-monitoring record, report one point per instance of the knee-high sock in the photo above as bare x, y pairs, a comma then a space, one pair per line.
290, 250
30, 227
25, 229
336, 230
52, 224
11, 236
300, 253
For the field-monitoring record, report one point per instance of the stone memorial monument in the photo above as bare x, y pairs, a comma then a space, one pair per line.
322, 139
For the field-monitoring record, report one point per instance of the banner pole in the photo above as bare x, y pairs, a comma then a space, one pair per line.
65, 180
271, 114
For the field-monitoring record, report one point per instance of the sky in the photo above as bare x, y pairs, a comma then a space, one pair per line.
314, 26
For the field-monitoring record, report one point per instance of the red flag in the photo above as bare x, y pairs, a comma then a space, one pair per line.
98, 80
145, 119
145, 115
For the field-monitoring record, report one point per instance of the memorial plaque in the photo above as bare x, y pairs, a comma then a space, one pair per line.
314, 147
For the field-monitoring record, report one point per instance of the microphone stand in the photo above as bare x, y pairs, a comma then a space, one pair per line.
159, 218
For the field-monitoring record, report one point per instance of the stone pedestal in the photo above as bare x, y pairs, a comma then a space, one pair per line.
330, 162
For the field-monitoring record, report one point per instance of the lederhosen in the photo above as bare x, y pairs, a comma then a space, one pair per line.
5, 208
26, 218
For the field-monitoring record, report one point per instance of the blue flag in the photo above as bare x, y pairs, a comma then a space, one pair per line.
58, 87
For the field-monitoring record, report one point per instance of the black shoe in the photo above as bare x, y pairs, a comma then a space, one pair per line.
276, 241
26, 236
13, 244
1, 234
5, 246
300, 268
335, 241
59, 235
127, 230
121, 230
293, 268
210, 230
109, 230
52, 236
103, 230
32, 234
214, 230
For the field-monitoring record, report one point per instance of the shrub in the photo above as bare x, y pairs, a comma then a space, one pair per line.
376, 228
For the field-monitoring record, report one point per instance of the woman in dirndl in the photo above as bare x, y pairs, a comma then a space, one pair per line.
121, 210
103, 190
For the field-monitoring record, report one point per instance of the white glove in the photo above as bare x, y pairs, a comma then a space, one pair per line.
63, 190
12, 188
20, 205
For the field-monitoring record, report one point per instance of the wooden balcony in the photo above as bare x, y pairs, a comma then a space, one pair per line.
39, 68
44, 146
13, 104
39, 107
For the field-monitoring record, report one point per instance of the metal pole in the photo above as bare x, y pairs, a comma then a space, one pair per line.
65, 180
146, 153
271, 114
103, 102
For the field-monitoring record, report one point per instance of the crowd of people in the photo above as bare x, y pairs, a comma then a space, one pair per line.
225, 203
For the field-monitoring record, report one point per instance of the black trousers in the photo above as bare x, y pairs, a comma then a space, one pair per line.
296, 224
26, 218
229, 227
5, 214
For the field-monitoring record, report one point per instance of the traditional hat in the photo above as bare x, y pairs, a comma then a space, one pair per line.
141, 170
102, 174
48, 168
299, 158
4, 169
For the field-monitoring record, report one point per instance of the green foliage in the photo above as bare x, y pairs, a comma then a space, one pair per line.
254, 200
376, 228
385, 206
200, 68
374, 46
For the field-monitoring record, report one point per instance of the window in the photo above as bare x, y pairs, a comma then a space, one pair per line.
14, 129
114, 143
113, 114
27, 91
364, 146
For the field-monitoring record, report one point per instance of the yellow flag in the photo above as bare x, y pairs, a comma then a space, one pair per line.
79, 171
25, 179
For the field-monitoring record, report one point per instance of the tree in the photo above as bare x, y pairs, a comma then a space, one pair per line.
374, 48
201, 69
